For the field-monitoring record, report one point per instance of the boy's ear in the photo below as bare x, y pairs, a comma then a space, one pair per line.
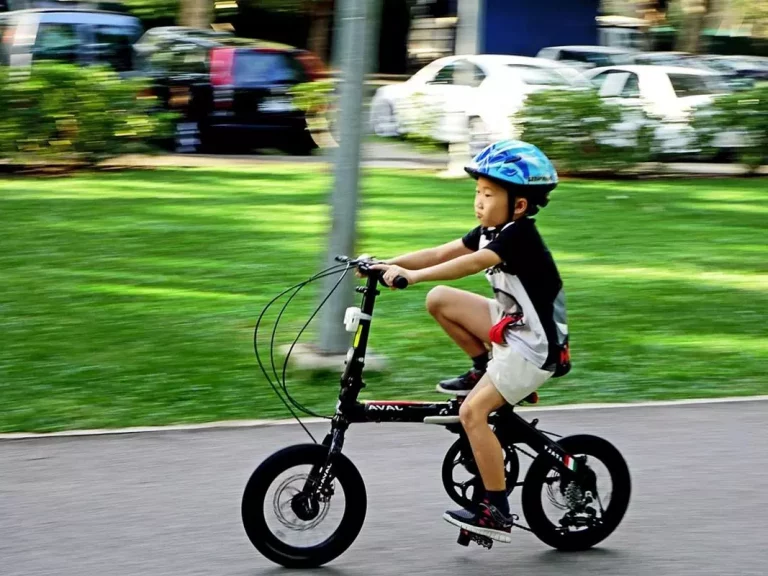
521, 206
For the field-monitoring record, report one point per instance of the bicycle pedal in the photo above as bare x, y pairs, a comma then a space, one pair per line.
465, 537
483, 541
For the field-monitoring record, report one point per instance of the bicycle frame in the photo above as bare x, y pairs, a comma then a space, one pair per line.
509, 427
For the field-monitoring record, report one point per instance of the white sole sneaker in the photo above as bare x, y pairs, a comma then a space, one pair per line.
452, 392
496, 535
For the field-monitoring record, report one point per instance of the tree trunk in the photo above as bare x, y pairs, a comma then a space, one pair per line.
321, 12
694, 16
196, 13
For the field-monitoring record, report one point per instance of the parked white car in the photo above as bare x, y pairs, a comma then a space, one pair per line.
667, 94
465, 98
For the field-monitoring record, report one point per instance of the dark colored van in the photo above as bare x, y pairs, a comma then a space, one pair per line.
234, 90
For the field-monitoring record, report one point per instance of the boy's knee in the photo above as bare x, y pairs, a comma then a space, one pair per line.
470, 415
436, 299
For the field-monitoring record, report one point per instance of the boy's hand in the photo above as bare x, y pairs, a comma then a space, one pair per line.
392, 271
362, 257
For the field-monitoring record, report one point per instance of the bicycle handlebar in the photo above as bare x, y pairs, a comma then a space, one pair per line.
401, 283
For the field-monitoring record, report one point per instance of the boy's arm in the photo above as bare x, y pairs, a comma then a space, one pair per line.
430, 256
460, 267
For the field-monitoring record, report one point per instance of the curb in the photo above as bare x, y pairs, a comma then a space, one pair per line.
236, 424
397, 159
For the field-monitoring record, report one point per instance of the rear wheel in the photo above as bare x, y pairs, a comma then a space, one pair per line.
571, 514
300, 528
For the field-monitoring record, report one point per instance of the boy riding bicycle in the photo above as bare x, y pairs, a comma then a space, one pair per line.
524, 325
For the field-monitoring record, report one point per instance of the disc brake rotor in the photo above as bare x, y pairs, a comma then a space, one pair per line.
296, 510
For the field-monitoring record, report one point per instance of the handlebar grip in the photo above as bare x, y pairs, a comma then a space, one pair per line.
401, 283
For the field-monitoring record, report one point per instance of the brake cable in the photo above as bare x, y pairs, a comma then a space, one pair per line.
297, 288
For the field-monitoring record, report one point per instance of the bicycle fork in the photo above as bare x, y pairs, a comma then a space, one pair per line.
319, 483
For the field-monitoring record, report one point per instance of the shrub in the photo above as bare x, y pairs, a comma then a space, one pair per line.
582, 133
741, 114
65, 113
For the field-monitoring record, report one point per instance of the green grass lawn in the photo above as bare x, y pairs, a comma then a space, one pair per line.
130, 298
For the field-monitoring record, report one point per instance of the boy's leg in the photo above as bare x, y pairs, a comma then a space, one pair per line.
466, 318
510, 378
473, 414
493, 519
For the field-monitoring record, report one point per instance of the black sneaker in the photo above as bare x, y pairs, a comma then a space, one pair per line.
461, 385
489, 521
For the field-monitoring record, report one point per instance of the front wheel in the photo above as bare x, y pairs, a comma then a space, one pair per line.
576, 514
299, 527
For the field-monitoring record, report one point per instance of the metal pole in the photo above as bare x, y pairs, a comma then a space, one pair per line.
468, 39
353, 56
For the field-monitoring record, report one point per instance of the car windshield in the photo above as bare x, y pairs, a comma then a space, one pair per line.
254, 67
737, 64
599, 59
538, 76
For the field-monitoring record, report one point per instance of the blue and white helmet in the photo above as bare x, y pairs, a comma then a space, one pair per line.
518, 166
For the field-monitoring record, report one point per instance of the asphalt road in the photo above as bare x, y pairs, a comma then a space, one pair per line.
168, 503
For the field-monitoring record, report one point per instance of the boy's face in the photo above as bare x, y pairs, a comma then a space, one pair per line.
492, 203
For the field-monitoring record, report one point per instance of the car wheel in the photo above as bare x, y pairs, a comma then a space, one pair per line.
479, 135
383, 120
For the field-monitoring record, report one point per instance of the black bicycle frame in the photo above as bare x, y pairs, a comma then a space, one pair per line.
509, 427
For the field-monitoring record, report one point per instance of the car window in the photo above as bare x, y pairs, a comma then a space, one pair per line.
613, 84
598, 80
5, 41
57, 41
185, 58
467, 74
690, 85
596, 58
253, 67
113, 45
576, 56
549, 53
156, 61
143, 55
631, 87
445, 76
536, 75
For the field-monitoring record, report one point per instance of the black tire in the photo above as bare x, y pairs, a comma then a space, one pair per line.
256, 490
300, 144
540, 524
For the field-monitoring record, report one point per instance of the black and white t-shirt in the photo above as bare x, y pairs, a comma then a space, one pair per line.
527, 282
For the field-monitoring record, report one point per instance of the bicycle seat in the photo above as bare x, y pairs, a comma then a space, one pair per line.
532, 398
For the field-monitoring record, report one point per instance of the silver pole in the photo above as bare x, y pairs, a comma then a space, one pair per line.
353, 57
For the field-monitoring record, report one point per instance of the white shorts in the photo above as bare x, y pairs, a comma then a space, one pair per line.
512, 375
